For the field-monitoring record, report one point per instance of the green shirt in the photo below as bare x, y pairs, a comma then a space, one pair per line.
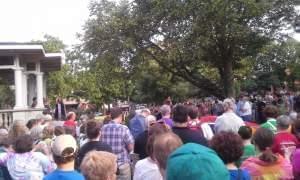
270, 124
249, 151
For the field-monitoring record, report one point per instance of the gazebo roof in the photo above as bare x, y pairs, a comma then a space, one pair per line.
32, 52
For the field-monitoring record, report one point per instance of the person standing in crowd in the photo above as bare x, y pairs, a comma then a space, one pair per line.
228, 121
60, 109
23, 163
121, 141
296, 163
161, 152
70, 123
137, 124
146, 169
141, 141
64, 150
193, 114
17, 129
259, 108
217, 108
93, 133
296, 128
267, 165
195, 162
229, 147
99, 165
165, 111
180, 127
244, 109
245, 133
34, 102
270, 112
284, 142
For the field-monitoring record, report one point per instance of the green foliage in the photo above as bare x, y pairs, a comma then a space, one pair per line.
6, 95
51, 44
60, 83
186, 38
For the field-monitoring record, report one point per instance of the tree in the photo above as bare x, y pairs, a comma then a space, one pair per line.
187, 38
51, 44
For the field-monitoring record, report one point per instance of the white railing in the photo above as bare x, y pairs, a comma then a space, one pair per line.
7, 116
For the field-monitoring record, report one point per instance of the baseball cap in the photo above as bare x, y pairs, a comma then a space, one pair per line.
195, 162
61, 143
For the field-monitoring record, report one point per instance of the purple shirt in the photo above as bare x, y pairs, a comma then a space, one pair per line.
118, 137
168, 121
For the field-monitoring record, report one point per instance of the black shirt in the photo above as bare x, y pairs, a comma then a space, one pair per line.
140, 145
190, 136
89, 146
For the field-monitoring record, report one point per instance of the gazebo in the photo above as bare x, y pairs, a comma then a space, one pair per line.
25, 67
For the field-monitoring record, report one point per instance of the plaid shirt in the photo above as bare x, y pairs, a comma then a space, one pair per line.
118, 137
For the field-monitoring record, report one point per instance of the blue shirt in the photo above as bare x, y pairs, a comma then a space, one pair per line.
64, 175
137, 125
244, 175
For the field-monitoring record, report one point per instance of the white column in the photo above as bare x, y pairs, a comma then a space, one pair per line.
39, 86
18, 84
25, 94
45, 86
39, 90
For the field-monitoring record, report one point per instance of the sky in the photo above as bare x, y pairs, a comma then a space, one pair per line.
26, 20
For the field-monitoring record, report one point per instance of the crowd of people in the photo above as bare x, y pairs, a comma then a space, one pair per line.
205, 141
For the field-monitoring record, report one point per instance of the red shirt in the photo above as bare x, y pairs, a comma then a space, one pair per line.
208, 118
70, 123
284, 143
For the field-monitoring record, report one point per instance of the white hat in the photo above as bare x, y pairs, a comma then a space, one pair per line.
63, 142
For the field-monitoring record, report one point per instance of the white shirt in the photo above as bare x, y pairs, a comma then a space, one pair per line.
146, 169
245, 109
228, 121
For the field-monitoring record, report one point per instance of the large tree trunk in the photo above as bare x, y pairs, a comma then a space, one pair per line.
227, 79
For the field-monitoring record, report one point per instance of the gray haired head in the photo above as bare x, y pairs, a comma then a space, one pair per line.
149, 119
229, 104
293, 115
165, 110
283, 122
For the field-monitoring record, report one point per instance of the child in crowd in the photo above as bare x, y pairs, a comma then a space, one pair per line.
64, 150
229, 147
245, 133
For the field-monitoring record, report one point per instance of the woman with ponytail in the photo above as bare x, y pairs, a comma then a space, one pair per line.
267, 165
